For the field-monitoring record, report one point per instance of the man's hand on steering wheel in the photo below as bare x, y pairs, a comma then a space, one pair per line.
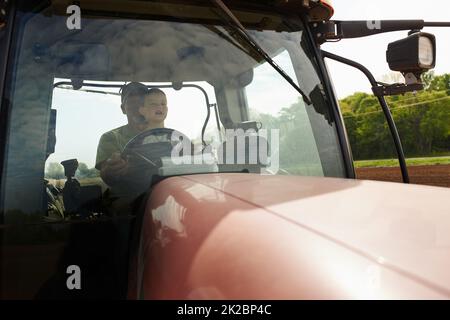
114, 168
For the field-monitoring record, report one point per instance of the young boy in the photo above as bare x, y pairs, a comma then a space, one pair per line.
154, 109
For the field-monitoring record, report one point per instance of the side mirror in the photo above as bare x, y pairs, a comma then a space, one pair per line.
412, 56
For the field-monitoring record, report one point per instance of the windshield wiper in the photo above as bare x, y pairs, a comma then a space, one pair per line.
236, 25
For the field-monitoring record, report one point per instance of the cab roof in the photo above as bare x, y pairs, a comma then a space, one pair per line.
316, 10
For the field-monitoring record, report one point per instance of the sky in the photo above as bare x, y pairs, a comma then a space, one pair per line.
371, 51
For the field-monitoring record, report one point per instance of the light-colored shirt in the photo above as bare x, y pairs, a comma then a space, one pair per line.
116, 140
113, 141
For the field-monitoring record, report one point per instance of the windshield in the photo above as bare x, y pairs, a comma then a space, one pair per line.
202, 81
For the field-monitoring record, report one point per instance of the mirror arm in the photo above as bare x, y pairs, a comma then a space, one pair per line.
387, 113
394, 89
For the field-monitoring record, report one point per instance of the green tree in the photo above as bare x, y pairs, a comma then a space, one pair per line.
85, 172
422, 118
436, 83
54, 171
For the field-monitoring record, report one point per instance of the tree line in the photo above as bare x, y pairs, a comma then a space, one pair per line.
55, 170
422, 119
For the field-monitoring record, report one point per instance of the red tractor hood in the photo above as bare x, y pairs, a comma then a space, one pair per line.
243, 236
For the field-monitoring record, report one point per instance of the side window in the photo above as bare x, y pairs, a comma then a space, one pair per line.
282, 108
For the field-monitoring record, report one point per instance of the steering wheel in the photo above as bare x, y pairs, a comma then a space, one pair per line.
147, 148
144, 153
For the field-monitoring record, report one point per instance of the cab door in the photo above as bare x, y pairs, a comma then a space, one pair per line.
45, 253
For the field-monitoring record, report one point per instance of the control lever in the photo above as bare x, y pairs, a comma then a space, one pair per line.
72, 188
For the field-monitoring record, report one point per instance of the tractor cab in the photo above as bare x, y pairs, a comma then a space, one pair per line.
249, 100
245, 89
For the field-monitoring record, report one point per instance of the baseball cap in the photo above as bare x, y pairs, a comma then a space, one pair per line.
133, 88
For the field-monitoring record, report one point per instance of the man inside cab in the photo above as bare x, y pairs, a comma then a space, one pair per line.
138, 104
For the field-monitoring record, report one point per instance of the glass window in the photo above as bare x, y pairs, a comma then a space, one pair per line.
284, 111
66, 100
85, 114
